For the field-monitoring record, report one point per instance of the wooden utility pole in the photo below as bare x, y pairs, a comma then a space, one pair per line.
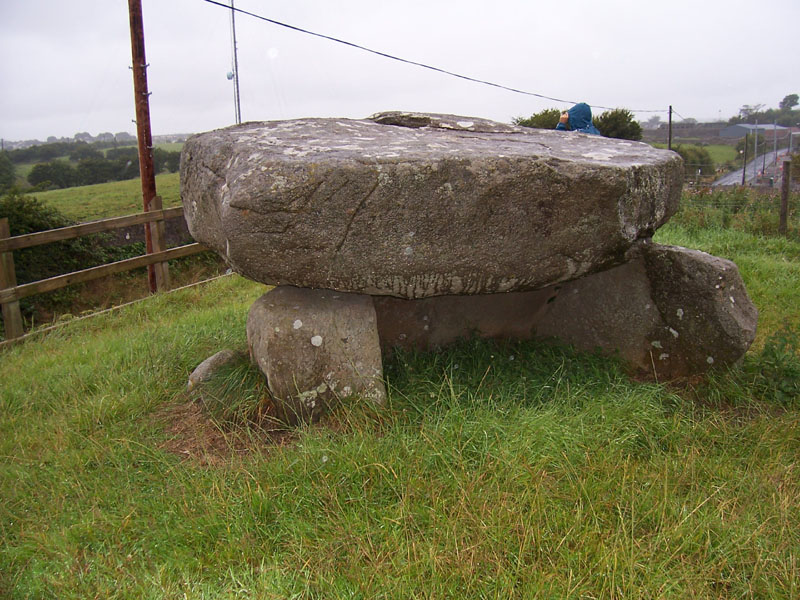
157, 274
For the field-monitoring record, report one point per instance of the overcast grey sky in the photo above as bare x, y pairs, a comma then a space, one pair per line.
65, 64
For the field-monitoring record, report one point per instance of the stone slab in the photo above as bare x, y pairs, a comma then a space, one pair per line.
414, 206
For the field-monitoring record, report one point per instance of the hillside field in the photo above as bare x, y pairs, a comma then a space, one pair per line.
118, 198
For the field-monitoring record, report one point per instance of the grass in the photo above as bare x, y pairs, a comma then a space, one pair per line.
496, 470
103, 200
721, 153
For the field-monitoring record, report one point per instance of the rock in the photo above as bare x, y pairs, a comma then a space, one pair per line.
206, 370
708, 317
314, 347
667, 311
414, 206
439, 321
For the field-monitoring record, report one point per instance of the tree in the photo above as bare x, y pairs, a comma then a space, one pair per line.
653, 122
83, 151
56, 173
696, 158
546, 119
96, 170
166, 160
749, 110
173, 162
125, 153
6, 172
789, 102
619, 123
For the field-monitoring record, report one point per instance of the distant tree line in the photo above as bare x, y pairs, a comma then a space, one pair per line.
88, 165
786, 114
617, 123
45, 152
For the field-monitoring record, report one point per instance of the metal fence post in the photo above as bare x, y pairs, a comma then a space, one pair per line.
12, 317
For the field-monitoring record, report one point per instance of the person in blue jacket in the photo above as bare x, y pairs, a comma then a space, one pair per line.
578, 118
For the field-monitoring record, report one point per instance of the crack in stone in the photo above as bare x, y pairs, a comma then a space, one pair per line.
360, 206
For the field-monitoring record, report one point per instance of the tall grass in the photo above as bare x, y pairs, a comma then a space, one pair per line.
516, 470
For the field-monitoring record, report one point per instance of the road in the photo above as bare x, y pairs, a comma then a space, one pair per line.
754, 167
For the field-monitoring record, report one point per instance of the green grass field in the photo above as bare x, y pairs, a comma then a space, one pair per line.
92, 202
512, 470
721, 153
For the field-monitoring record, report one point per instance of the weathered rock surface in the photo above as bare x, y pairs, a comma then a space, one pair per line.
206, 370
415, 206
667, 311
315, 347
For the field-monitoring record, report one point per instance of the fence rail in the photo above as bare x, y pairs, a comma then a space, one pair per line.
75, 231
11, 293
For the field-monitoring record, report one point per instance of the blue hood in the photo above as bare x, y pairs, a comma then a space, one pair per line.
580, 116
580, 119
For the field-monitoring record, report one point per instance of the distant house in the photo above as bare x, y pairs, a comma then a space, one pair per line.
741, 129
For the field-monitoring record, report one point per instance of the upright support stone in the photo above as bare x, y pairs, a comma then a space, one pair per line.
315, 347
667, 311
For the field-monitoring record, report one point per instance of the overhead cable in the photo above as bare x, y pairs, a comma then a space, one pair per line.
410, 62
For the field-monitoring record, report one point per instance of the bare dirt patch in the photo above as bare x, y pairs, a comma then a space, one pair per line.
196, 437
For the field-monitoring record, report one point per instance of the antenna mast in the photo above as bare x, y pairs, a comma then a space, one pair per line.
236, 103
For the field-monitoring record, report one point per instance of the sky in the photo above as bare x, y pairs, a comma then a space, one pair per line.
65, 66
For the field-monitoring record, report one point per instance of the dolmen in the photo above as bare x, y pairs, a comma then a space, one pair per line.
415, 230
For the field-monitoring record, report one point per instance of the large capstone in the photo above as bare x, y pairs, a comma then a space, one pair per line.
414, 205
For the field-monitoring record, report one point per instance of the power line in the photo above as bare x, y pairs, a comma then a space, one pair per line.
679, 114
410, 62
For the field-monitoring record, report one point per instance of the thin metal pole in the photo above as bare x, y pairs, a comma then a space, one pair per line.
669, 139
755, 153
775, 145
744, 161
236, 100
143, 134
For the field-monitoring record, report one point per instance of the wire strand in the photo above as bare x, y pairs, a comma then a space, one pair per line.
415, 63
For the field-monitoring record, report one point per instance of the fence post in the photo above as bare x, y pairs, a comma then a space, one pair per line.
158, 236
786, 182
12, 317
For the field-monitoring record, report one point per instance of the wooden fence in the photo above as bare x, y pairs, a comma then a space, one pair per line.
11, 293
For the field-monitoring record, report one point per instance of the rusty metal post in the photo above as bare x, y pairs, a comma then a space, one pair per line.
12, 317
143, 134
786, 183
